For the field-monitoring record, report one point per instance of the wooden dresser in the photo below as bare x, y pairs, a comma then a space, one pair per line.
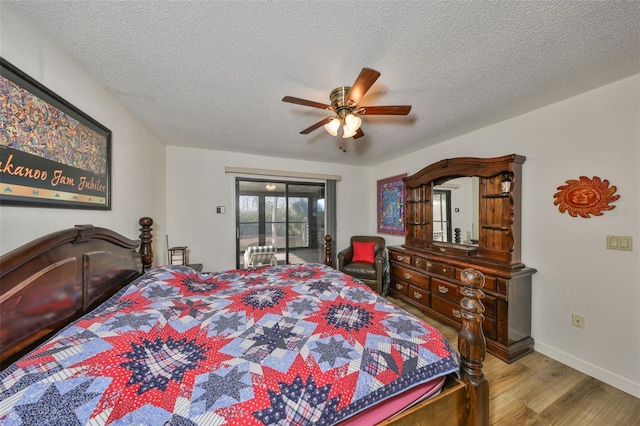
426, 272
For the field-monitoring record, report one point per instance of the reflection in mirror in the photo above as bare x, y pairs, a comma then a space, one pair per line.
455, 211
442, 214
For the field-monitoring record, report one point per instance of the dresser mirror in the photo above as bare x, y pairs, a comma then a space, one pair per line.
480, 205
455, 211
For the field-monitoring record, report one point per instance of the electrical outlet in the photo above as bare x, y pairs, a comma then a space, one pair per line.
577, 320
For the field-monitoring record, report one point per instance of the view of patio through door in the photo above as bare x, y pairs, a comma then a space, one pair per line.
442, 215
287, 215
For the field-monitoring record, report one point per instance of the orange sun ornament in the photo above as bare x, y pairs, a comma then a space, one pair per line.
585, 197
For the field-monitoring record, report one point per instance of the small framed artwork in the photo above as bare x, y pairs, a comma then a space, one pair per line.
391, 198
51, 153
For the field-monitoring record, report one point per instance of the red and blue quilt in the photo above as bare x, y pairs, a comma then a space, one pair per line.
289, 345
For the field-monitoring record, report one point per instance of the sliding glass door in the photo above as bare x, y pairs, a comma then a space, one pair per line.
288, 215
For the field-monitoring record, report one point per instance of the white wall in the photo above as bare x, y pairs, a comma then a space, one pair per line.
197, 183
138, 158
594, 134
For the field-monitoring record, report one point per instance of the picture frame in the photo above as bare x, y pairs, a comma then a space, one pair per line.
391, 205
51, 153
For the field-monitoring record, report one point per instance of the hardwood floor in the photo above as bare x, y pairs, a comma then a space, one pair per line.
537, 390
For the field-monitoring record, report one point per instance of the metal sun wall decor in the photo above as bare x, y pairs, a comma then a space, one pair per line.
585, 197
391, 198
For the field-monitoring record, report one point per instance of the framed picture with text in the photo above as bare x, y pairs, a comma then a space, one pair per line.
391, 198
51, 153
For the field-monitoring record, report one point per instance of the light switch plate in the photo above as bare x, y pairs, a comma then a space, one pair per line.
626, 243
618, 242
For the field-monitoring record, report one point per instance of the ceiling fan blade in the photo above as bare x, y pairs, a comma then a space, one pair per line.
305, 102
359, 133
385, 110
363, 83
317, 125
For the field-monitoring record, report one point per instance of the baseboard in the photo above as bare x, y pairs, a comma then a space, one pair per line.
589, 369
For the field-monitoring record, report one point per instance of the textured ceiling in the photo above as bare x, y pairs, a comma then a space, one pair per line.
211, 74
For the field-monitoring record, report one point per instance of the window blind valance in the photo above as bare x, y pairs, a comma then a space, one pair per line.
280, 173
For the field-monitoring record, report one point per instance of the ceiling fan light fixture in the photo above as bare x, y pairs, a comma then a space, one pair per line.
332, 126
335, 123
352, 123
347, 133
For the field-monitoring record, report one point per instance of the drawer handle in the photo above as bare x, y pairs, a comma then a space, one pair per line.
407, 276
429, 264
444, 269
442, 249
417, 295
442, 289
400, 258
456, 313
398, 286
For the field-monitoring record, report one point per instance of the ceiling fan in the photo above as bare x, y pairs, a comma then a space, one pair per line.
344, 104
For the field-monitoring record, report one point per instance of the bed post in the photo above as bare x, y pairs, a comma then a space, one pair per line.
471, 345
146, 251
328, 255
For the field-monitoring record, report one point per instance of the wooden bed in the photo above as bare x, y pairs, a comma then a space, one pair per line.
54, 280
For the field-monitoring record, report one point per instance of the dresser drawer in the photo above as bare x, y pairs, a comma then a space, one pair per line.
490, 283
420, 295
400, 257
453, 311
420, 262
452, 292
446, 290
398, 287
441, 269
410, 276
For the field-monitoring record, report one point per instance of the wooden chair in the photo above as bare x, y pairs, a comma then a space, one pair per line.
178, 255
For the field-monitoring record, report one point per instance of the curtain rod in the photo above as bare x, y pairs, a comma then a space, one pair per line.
280, 173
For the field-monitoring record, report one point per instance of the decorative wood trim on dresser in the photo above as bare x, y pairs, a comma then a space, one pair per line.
426, 273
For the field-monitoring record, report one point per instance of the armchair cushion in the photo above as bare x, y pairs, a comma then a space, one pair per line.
361, 270
363, 252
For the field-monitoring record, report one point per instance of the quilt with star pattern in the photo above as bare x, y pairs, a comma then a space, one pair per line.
288, 345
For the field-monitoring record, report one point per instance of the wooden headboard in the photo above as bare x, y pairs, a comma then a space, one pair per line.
55, 279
